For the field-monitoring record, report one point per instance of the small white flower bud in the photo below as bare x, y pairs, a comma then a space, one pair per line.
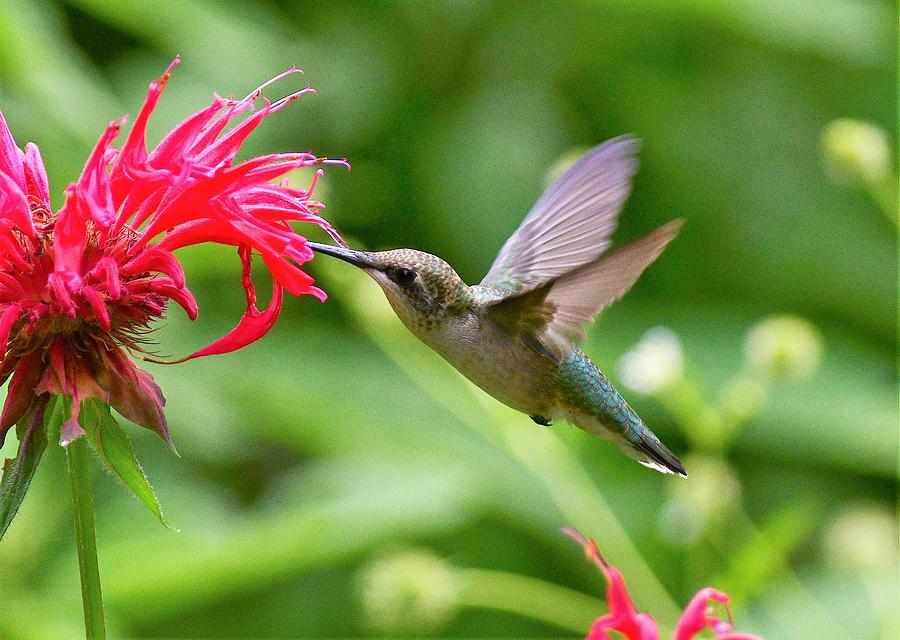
863, 537
784, 345
653, 363
409, 592
855, 152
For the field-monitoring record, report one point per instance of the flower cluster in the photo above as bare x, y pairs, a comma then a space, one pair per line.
856, 152
624, 618
409, 592
80, 287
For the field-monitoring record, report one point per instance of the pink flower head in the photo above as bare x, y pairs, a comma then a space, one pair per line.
80, 287
624, 618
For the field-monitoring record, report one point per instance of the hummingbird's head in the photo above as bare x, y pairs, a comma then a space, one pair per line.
422, 288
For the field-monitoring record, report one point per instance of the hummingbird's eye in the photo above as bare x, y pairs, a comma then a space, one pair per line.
402, 276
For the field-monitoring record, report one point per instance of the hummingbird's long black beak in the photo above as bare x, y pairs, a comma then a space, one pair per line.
358, 258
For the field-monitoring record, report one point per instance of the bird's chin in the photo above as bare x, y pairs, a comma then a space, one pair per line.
388, 286
378, 276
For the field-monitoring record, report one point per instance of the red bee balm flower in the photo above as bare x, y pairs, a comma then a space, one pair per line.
80, 287
624, 618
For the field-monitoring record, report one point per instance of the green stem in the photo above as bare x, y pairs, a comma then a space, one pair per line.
700, 423
83, 503
884, 194
530, 597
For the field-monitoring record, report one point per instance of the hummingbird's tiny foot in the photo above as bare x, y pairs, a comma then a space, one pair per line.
541, 420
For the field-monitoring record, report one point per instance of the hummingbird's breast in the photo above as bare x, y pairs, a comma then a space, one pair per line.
502, 365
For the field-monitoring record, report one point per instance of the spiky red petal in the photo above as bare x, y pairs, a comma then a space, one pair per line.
625, 619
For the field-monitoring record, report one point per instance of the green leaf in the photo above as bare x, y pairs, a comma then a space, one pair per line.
56, 414
113, 446
18, 471
756, 564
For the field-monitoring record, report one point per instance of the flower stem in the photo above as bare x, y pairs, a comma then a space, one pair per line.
884, 194
530, 597
83, 502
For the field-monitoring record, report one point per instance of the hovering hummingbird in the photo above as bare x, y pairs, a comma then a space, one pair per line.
514, 334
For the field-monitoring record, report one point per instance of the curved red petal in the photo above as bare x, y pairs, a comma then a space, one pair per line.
11, 289
697, 618
8, 318
59, 287
296, 281
178, 143
95, 300
10, 156
167, 288
638, 626
36, 175
253, 325
11, 250
93, 189
623, 616
225, 148
20, 392
14, 205
70, 233
156, 259
106, 272
134, 149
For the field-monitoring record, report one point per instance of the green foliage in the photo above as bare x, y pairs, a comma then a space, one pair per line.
18, 472
113, 447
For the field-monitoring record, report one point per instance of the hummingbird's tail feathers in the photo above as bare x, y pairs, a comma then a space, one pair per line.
650, 452
589, 401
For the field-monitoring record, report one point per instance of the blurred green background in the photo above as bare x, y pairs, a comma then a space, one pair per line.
338, 480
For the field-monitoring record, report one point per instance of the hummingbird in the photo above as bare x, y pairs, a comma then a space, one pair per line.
515, 333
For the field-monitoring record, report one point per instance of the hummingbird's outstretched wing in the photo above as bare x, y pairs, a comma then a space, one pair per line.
571, 224
551, 317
